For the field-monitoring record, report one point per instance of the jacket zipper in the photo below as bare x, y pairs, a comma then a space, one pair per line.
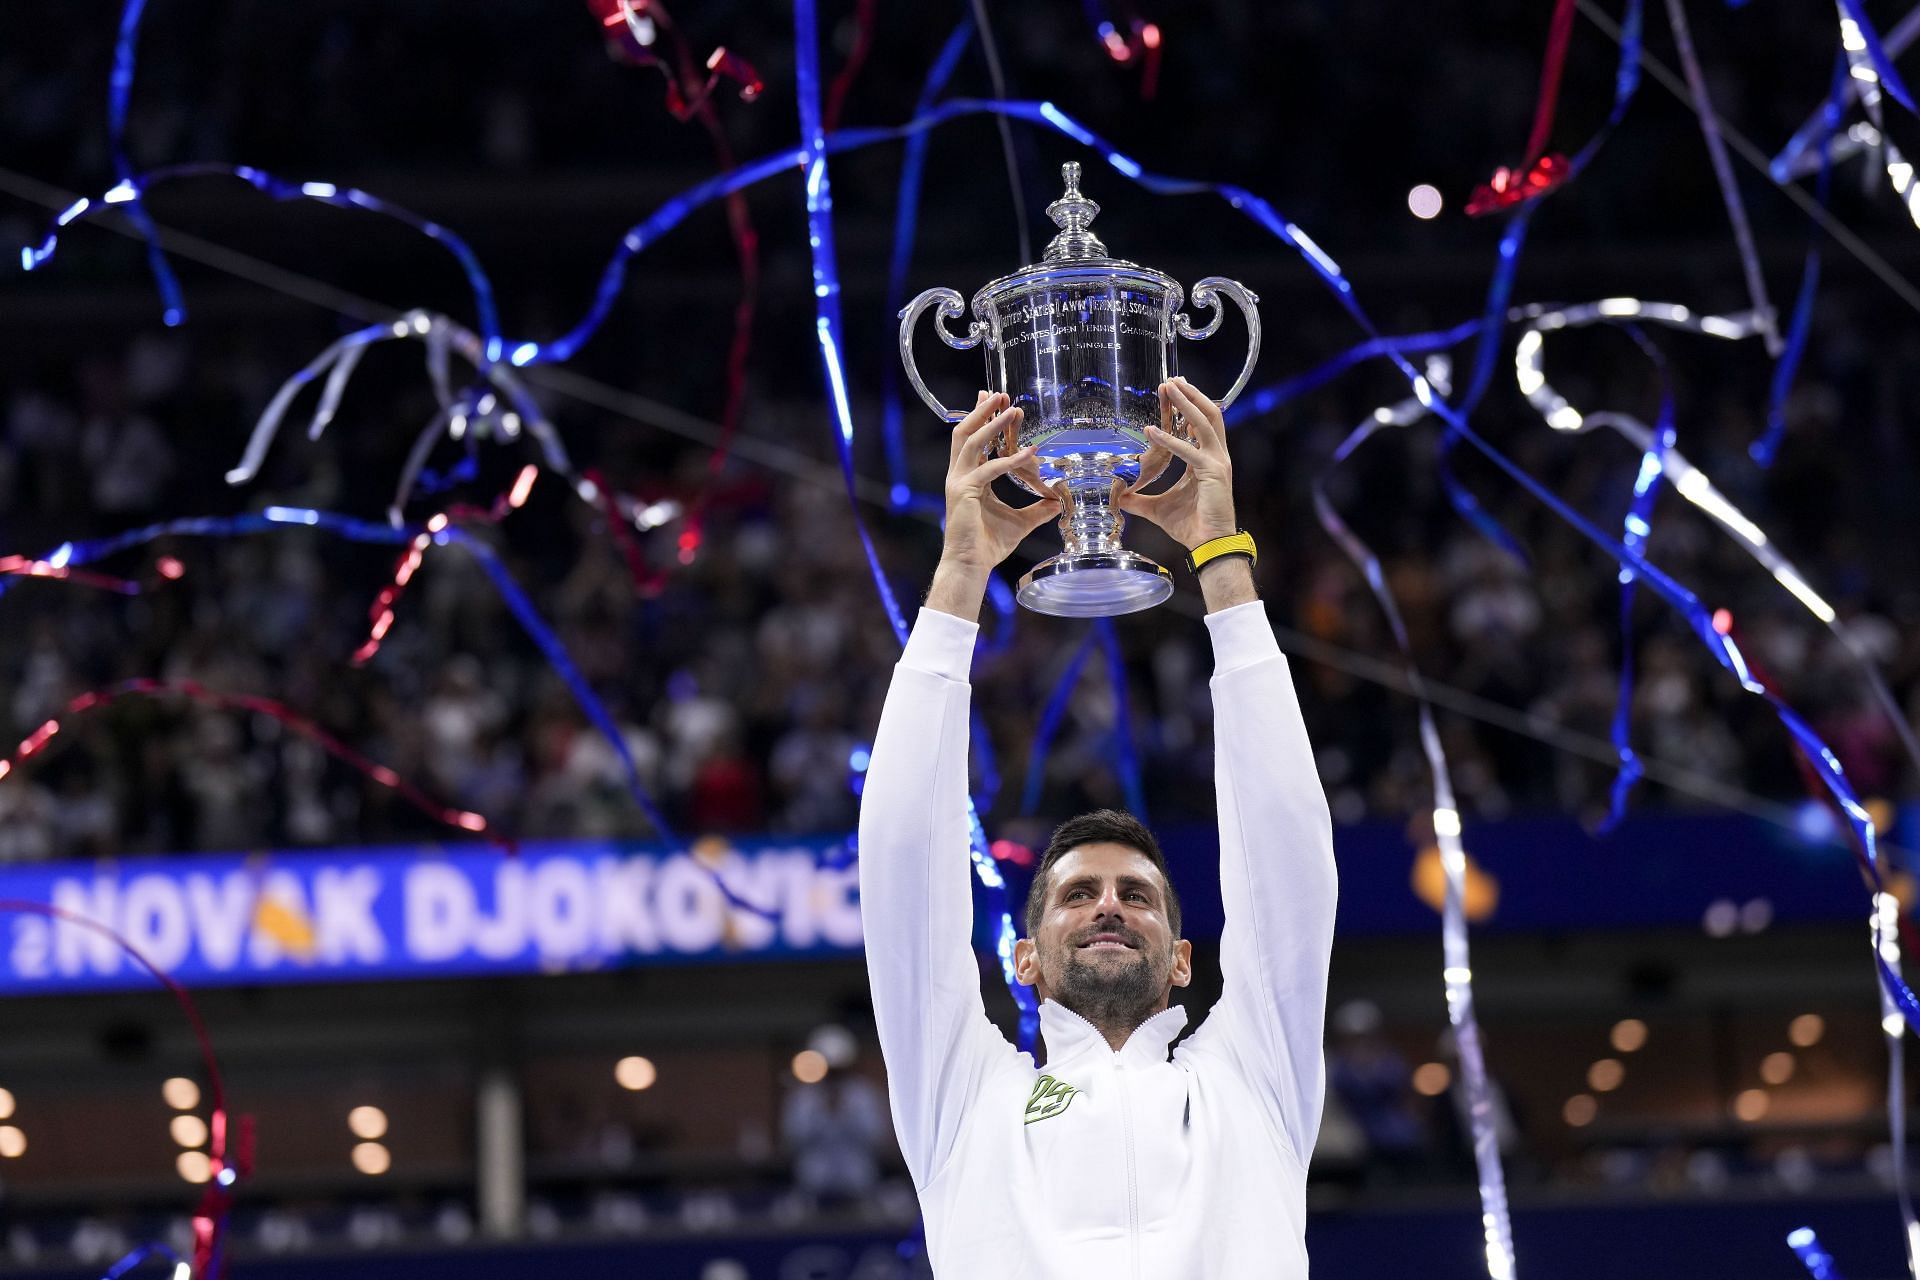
1133, 1190
1126, 1129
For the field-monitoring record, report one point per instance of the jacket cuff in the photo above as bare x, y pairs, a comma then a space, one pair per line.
1241, 637
941, 645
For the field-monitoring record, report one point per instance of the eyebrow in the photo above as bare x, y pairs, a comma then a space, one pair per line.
1093, 882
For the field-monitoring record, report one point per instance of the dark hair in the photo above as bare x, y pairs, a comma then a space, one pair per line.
1102, 826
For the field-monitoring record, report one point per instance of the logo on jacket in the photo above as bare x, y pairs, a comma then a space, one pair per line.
1049, 1098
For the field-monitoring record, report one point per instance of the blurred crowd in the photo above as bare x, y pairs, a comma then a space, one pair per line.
744, 666
745, 669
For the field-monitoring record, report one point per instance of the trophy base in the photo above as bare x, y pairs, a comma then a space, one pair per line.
1100, 584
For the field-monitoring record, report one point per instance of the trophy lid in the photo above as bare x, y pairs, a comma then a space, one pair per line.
1075, 253
1073, 213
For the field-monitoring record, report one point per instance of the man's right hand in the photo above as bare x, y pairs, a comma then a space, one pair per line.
981, 528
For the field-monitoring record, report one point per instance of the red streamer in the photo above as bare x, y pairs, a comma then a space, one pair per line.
856, 58
27, 567
381, 612
461, 819
646, 581
216, 1203
1510, 187
634, 31
690, 86
1140, 44
1539, 172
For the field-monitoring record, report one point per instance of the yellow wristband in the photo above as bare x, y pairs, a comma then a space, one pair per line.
1239, 543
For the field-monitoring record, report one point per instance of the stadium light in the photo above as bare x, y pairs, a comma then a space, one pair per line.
367, 1122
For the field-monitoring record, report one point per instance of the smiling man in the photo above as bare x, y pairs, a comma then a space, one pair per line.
1117, 1158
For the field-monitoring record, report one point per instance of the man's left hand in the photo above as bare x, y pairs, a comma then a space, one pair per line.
1199, 506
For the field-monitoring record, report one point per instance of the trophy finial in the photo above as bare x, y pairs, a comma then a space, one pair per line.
1073, 213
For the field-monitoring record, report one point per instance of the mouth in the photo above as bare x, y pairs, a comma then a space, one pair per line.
1107, 942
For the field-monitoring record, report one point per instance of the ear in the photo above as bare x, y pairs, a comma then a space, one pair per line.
1182, 963
1026, 961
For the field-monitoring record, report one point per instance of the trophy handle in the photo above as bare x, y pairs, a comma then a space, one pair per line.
951, 308
1206, 294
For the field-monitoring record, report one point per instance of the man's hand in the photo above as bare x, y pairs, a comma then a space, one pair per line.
1199, 506
982, 529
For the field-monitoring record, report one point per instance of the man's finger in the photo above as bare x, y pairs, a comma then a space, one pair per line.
1030, 475
1000, 466
1138, 503
1187, 453
982, 410
1010, 434
1153, 465
976, 443
1202, 414
1039, 513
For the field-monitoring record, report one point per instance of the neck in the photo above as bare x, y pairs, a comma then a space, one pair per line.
1116, 1024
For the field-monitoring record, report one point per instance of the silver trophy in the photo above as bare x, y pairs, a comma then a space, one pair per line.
1081, 343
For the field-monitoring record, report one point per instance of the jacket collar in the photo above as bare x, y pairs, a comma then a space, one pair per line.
1070, 1036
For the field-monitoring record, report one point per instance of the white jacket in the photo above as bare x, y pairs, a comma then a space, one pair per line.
1120, 1166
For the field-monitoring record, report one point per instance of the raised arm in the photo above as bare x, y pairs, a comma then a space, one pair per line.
1277, 877
916, 902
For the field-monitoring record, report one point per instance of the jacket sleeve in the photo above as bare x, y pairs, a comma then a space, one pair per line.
916, 898
1277, 879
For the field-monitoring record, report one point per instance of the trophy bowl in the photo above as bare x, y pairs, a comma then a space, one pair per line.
1081, 342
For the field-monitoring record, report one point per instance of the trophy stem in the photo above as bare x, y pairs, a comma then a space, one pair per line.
1091, 524
1095, 577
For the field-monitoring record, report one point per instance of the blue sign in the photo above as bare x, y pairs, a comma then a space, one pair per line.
413, 911
350, 914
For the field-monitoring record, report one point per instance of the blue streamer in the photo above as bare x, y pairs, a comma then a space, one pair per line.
640, 236
1817, 1261
119, 91
826, 284
556, 655
1050, 717
1638, 527
1264, 401
1767, 447
1492, 328
524, 353
154, 1250
131, 188
906, 217
432, 482
1877, 54
826, 296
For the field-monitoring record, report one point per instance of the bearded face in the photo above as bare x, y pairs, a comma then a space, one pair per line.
1105, 947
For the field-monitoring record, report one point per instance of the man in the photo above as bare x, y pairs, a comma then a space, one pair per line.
1115, 1161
